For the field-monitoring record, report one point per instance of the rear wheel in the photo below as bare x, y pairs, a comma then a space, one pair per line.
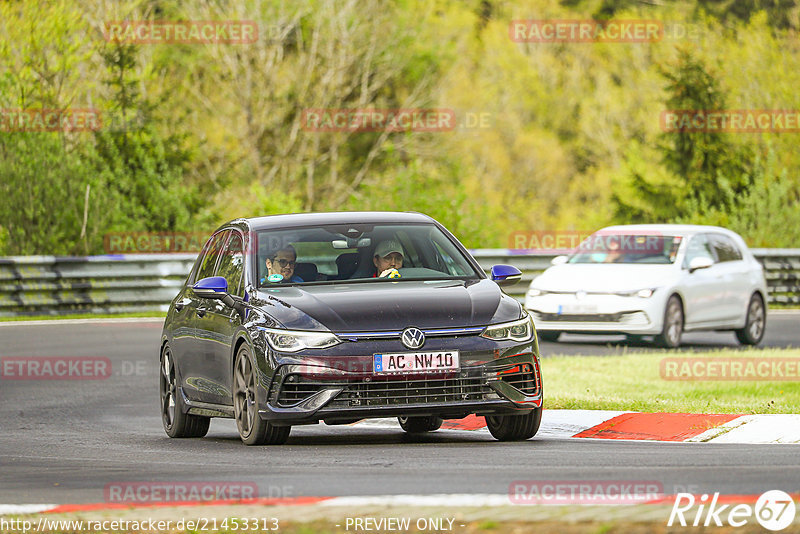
252, 428
418, 425
514, 427
177, 423
550, 336
670, 336
754, 326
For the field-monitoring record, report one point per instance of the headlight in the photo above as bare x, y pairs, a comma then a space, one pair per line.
642, 293
295, 340
533, 292
519, 330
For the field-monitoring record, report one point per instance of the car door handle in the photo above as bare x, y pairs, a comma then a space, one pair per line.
181, 303
201, 313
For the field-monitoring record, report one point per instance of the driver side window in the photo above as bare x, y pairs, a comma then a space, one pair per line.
213, 251
698, 247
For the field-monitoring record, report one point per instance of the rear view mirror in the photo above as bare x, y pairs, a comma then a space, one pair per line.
506, 275
351, 243
702, 262
213, 287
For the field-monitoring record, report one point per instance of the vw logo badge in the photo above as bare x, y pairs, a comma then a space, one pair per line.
413, 338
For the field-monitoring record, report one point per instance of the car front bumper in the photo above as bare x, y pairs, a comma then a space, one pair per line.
301, 394
594, 313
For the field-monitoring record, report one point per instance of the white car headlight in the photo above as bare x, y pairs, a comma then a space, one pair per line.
295, 340
535, 292
641, 293
519, 330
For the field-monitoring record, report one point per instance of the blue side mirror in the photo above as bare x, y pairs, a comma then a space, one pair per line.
213, 287
506, 275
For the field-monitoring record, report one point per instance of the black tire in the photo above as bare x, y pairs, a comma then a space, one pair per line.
418, 425
756, 323
514, 427
252, 428
177, 423
670, 336
549, 335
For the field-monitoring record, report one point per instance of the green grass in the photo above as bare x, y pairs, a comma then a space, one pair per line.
633, 382
82, 316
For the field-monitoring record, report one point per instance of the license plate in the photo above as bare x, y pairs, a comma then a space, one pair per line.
577, 309
415, 362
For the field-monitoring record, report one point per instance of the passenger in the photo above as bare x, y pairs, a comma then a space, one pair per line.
282, 263
388, 258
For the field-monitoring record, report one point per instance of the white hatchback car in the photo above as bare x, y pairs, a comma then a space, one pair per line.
659, 280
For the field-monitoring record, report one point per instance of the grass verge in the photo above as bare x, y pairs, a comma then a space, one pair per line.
82, 316
634, 382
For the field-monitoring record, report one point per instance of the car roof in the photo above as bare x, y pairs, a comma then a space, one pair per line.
338, 217
667, 229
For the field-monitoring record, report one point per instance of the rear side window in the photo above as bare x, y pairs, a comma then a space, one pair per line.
725, 248
212, 254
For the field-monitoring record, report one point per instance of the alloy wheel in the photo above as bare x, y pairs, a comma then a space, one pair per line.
244, 398
168, 388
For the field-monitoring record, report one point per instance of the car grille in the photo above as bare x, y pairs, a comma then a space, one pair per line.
421, 391
396, 391
628, 318
577, 318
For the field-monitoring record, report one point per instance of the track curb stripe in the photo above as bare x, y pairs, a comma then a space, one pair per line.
656, 426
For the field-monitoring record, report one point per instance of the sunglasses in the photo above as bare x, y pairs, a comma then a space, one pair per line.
283, 263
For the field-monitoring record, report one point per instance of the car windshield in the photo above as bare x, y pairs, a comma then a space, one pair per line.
325, 254
627, 248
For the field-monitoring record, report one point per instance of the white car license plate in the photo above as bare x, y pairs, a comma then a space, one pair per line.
577, 309
415, 362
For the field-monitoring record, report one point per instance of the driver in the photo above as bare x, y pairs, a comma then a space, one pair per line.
388, 257
282, 262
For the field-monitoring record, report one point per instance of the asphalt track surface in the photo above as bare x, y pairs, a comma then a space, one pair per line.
63, 441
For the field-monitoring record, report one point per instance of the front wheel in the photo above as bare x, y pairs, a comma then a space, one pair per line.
514, 427
177, 423
418, 425
670, 336
252, 428
754, 326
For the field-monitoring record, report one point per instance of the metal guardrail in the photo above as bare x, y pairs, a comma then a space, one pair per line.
42, 285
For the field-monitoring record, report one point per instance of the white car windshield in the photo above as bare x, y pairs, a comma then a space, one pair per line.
627, 248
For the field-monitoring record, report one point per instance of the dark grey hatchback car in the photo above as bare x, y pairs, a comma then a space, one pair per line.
336, 317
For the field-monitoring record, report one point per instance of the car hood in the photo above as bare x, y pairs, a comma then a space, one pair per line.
605, 278
389, 305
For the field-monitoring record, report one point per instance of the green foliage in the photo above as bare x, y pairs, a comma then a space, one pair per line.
767, 213
197, 134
